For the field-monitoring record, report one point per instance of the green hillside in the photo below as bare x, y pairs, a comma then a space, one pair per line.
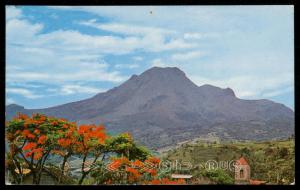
271, 161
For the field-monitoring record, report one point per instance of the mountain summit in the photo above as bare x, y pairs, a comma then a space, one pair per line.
162, 107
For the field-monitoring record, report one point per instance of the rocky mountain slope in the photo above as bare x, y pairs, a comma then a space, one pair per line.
162, 106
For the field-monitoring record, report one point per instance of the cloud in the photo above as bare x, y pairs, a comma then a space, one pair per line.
138, 58
23, 92
127, 29
27, 85
79, 89
158, 63
54, 16
147, 38
9, 101
193, 36
199, 36
252, 87
162, 16
278, 92
61, 78
59, 56
15, 37
71, 40
188, 55
27, 76
12, 12
128, 66
249, 49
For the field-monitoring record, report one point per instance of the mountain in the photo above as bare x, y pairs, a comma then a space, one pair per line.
162, 107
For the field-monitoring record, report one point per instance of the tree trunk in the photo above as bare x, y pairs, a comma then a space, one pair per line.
63, 167
40, 166
34, 177
82, 169
17, 178
82, 178
85, 173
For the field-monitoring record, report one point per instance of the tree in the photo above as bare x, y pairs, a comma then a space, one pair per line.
31, 139
245, 152
90, 141
283, 152
67, 145
124, 145
121, 170
218, 175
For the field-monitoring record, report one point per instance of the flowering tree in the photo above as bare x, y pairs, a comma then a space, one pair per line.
121, 170
31, 139
90, 141
66, 144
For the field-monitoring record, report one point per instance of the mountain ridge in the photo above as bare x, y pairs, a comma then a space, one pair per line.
161, 106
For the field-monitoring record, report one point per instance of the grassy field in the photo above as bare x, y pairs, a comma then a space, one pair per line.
271, 161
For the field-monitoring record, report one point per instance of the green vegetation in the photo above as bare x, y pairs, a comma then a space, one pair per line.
271, 161
103, 159
218, 176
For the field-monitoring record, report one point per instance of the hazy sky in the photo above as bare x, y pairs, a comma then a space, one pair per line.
56, 55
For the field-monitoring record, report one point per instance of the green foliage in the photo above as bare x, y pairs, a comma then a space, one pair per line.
124, 145
271, 161
33, 140
283, 152
245, 152
218, 176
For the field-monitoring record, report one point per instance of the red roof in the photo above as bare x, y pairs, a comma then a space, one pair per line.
242, 161
256, 182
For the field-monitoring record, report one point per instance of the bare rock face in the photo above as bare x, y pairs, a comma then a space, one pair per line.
162, 107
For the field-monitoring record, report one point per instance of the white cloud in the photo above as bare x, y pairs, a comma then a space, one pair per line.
59, 56
193, 36
54, 16
21, 32
243, 54
249, 86
69, 40
9, 101
12, 12
138, 58
129, 66
127, 29
162, 16
158, 63
278, 92
26, 85
188, 55
67, 56
147, 38
23, 92
199, 36
79, 89
52, 90
27, 76
68, 76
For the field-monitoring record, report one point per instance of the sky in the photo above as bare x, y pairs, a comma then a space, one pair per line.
56, 55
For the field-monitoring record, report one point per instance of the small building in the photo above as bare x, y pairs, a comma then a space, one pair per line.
187, 178
243, 173
256, 182
46, 177
181, 176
